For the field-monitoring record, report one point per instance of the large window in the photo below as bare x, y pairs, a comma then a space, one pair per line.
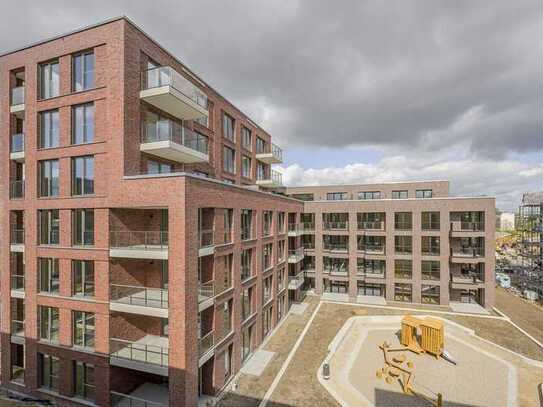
430, 221
83, 227
246, 303
267, 251
83, 278
403, 268
49, 371
48, 129
83, 123
260, 146
430, 294
369, 195
48, 175
246, 342
430, 245
229, 160
399, 194
83, 324
49, 226
83, 71
156, 167
48, 320
403, 244
83, 175
228, 126
246, 138
430, 270
84, 380
403, 292
246, 264
423, 193
246, 224
336, 196
267, 218
403, 220
49, 280
48, 80
246, 166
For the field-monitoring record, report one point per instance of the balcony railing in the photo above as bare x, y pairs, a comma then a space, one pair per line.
343, 225
467, 278
17, 95
169, 130
17, 327
336, 247
274, 176
144, 240
17, 190
296, 280
167, 76
139, 352
468, 252
18, 282
270, 148
294, 227
370, 273
17, 143
124, 400
375, 225
206, 237
141, 296
372, 249
206, 343
338, 271
17, 236
308, 226
299, 252
461, 226
206, 290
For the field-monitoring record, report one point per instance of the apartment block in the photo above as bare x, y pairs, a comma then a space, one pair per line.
397, 242
145, 254
529, 225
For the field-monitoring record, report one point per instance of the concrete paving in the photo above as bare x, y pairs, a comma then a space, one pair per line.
371, 300
468, 308
258, 362
298, 309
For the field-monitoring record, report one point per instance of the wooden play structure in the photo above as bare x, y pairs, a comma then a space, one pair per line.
432, 337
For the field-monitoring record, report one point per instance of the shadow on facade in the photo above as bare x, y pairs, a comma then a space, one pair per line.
237, 400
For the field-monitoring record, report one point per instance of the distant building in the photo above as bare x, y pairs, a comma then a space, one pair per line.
529, 224
507, 221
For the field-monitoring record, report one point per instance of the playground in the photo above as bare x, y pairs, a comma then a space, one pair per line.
399, 361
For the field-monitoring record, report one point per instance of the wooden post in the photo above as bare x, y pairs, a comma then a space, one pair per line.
439, 400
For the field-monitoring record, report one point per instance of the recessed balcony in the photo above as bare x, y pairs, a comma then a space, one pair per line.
270, 154
295, 229
467, 254
172, 141
17, 189
462, 281
372, 249
17, 148
146, 395
17, 105
205, 346
17, 240
273, 180
147, 354
295, 282
139, 244
207, 242
167, 90
372, 226
139, 300
296, 255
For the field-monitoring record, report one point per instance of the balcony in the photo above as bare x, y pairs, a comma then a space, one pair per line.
271, 154
372, 249
172, 141
296, 255
206, 344
207, 242
17, 189
340, 226
295, 282
380, 274
148, 354
273, 180
206, 293
308, 227
139, 244
17, 240
467, 254
17, 328
294, 229
18, 286
167, 90
471, 280
460, 228
17, 148
139, 300
376, 225
336, 247
17, 106
147, 395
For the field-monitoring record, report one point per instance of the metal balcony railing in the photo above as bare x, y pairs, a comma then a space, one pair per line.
468, 251
17, 190
370, 273
167, 76
17, 327
467, 278
275, 176
270, 148
371, 248
124, 400
461, 226
403, 226
430, 251
17, 143
138, 352
299, 252
17, 236
339, 247
338, 271
206, 290
17, 95
343, 225
139, 240
206, 237
138, 295
169, 130
206, 343
375, 225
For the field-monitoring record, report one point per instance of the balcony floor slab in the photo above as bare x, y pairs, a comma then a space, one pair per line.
258, 362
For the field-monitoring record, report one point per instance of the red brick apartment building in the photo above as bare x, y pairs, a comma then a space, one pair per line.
143, 254
402, 242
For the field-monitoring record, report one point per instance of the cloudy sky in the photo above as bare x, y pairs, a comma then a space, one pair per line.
357, 91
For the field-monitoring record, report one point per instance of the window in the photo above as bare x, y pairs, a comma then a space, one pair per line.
246, 303
403, 292
371, 267
246, 224
83, 124
227, 317
17, 316
48, 322
84, 380
246, 264
262, 171
370, 220
338, 287
48, 275
281, 279
83, 278
267, 289
430, 270
430, 245
403, 268
267, 219
228, 362
49, 129
48, 80
333, 265
246, 342
267, 251
423, 193
228, 126
267, 320
228, 263
83, 323
49, 371
246, 138
83, 227
281, 252
49, 226
228, 225
403, 244
155, 167
369, 195
430, 220
246, 166
403, 220
48, 174
83, 71
229, 160
399, 194
281, 222
260, 146
304, 197
430, 294
336, 196
83, 175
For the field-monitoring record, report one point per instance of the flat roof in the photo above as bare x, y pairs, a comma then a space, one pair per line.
367, 185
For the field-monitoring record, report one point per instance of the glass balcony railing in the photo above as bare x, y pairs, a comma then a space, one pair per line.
270, 148
17, 95
17, 236
169, 130
17, 143
139, 240
206, 290
18, 282
17, 190
342, 225
138, 295
274, 176
125, 400
372, 248
139, 352
461, 226
206, 343
167, 76
206, 238
468, 252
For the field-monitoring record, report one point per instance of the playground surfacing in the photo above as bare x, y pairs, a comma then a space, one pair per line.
480, 378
